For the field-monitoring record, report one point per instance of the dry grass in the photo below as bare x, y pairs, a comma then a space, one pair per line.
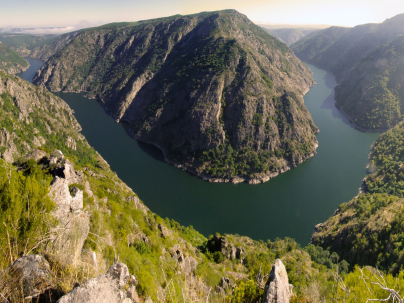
65, 278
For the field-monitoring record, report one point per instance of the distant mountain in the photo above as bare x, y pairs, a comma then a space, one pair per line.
311, 46
34, 46
10, 61
220, 96
366, 63
290, 35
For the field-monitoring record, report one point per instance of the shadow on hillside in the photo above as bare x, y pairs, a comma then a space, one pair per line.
150, 149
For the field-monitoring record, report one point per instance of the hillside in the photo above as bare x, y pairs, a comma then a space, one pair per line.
372, 93
386, 163
219, 96
362, 60
32, 46
368, 230
10, 61
290, 35
68, 211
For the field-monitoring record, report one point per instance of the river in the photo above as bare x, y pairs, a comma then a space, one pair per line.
286, 206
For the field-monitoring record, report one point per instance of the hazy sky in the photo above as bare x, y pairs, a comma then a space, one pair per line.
35, 13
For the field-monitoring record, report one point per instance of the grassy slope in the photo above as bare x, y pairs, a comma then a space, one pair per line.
143, 240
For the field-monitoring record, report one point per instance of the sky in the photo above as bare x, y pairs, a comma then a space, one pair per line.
76, 14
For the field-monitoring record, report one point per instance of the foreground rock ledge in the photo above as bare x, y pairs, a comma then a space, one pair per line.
116, 286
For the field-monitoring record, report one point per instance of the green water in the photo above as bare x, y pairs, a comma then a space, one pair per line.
286, 206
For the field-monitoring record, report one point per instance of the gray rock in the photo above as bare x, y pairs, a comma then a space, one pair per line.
71, 143
36, 154
116, 286
87, 188
220, 290
228, 250
4, 137
33, 273
277, 288
56, 156
48, 129
139, 205
6, 140
164, 231
187, 264
74, 224
69, 173
37, 142
240, 252
225, 283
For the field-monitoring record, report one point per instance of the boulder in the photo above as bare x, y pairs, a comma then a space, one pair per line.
277, 288
32, 273
116, 286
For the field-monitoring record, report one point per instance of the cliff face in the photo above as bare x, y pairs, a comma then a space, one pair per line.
366, 62
215, 92
10, 61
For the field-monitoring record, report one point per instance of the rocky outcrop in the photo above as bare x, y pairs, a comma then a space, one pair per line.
139, 205
277, 288
31, 273
36, 155
186, 264
63, 168
74, 224
71, 143
225, 284
229, 251
6, 141
116, 286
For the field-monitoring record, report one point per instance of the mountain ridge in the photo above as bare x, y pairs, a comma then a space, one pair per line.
228, 95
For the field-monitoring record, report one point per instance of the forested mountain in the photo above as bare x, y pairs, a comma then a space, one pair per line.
363, 60
10, 61
216, 93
